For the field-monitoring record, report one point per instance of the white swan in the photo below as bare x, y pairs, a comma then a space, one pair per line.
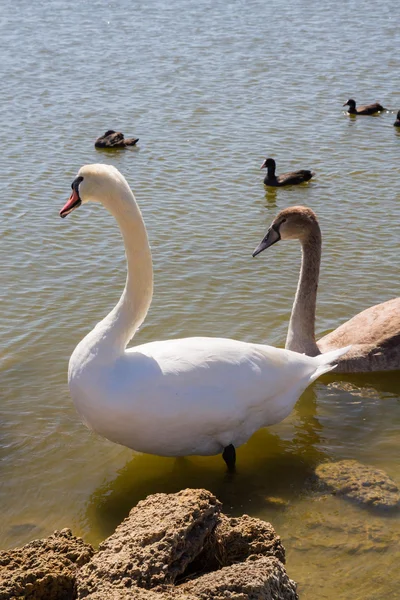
177, 397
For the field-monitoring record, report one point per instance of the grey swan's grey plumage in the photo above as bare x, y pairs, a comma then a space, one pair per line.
293, 178
397, 121
368, 109
114, 139
374, 333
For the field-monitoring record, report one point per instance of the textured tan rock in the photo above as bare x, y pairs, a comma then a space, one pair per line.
154, 544
234, 540
324, 530
171, 547
262, 578
360, 483
108, 592
43, 569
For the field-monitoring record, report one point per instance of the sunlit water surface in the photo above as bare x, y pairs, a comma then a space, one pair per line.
210, 89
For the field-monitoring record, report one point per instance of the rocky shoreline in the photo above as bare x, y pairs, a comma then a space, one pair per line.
182, 546
171, 546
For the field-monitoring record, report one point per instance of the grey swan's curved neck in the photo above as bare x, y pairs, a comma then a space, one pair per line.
301, 331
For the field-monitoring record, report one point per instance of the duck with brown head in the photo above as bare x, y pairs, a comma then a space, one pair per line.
373, 333
368, 109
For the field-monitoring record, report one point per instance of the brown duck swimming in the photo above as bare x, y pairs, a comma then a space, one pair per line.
292, 178
114, 139
397, 121
368, 109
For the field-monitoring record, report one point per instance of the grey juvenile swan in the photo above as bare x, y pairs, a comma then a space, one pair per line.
374, 333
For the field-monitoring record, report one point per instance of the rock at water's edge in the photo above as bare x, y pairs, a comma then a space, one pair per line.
155, 543
258, 578
108, 592
43, 569
366, 485
235, 539
171, 547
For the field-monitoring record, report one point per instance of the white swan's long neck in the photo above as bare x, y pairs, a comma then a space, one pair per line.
113, 333
301, 332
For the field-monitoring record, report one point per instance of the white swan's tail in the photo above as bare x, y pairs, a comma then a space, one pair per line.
326, 362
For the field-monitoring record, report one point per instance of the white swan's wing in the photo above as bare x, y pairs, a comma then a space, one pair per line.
195, 395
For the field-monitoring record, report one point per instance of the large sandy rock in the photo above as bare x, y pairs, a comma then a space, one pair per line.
360, 483
157, 541
171, 547
257, 578
43, 569
109, 592
234, 540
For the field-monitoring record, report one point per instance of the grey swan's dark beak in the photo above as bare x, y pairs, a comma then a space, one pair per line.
272, 236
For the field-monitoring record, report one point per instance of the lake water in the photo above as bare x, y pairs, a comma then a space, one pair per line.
210, 89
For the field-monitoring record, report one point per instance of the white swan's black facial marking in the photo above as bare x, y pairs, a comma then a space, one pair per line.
75, 184
74, 200
273, 235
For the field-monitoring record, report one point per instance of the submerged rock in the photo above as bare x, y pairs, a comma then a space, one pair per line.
325, 529
360, 483
43, 569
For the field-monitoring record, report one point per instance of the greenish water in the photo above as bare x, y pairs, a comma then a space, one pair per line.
210, 89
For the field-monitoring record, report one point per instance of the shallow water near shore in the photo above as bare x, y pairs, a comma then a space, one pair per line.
210, 91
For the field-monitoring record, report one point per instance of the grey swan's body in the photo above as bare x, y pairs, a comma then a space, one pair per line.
374, 333
114, 139
397, 121
292, 178
368, 109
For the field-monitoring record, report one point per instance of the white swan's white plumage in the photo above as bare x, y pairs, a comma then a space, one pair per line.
177, 397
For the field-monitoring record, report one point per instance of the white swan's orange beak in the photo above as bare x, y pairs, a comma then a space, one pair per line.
73, 202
